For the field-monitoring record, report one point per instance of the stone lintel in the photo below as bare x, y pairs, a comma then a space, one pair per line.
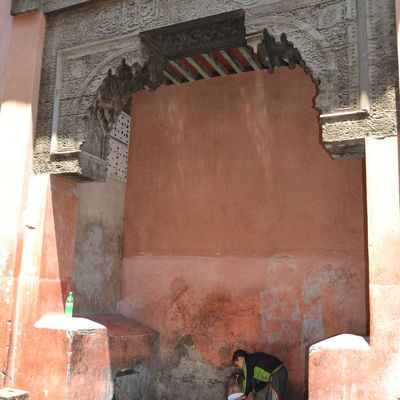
80, 166
20, 7
346, 149
344, 116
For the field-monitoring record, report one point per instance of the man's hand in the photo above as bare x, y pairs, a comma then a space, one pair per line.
248, 397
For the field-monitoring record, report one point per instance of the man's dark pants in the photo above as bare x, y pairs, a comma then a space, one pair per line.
275, 390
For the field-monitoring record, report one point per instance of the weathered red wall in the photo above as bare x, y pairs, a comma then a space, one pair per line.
240, 231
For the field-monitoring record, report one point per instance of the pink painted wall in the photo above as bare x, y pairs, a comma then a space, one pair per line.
5, 28
352, 368
43, 282
20, 59
240, 231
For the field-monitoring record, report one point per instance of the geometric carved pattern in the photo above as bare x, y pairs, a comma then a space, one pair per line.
117, 159
120, 130
112, 96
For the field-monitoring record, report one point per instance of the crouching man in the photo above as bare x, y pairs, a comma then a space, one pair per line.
265, 376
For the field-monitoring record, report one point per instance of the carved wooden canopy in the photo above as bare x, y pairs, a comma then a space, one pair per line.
217, 32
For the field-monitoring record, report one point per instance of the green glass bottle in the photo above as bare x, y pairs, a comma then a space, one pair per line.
69, 305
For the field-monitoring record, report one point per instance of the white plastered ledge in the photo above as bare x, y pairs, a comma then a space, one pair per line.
62, 323
344, 341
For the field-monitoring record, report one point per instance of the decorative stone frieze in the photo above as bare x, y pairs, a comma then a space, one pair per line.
348, 46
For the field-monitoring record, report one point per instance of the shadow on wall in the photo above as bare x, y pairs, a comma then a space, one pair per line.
58, 244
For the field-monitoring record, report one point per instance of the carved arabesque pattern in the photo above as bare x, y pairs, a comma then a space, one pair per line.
112, 96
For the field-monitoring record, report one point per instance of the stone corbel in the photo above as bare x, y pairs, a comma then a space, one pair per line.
20, 7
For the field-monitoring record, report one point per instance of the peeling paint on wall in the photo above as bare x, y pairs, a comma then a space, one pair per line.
187, 376
99, 247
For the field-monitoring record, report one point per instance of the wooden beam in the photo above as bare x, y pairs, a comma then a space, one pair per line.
218, 67
171, 77
197, 67
238, 69
183, 71
249, 58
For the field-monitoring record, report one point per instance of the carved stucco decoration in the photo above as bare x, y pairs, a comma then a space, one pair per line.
279, 54
113, 95
356, 68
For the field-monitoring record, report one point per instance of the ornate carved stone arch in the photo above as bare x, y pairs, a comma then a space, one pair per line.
132, 74
313, 47
83, 108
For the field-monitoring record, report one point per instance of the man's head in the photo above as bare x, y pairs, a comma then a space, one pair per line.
238, 358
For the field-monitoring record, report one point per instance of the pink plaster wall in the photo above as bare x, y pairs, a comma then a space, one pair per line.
20, 60
240, 231
356, 370
43, 281
5, 27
